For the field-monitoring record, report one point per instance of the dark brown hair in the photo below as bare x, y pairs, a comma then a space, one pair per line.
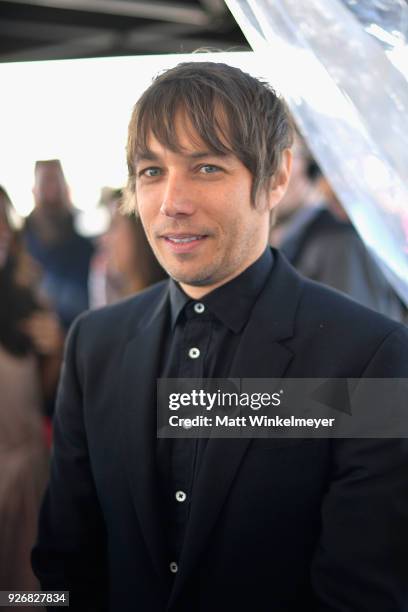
231, 111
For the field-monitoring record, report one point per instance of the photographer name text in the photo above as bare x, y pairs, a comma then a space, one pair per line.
249, 421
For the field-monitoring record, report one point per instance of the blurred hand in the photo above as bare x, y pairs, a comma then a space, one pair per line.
45, 332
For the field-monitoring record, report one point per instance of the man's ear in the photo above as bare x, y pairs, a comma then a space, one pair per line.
279, 182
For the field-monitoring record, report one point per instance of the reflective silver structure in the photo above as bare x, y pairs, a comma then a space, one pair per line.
343, 69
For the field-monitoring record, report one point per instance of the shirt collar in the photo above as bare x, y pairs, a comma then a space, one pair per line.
231, 303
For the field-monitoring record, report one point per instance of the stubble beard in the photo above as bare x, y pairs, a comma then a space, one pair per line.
214, 272
205, 275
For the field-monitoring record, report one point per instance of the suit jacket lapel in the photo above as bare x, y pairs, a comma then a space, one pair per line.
260, 355
139, 373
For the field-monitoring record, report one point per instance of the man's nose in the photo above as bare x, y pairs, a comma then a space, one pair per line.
177, 197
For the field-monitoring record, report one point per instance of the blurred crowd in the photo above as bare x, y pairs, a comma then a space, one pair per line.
49, 274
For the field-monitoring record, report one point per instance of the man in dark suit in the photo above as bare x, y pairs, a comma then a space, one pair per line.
130, 522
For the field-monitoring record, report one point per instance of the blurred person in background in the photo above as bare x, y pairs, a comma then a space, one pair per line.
53, 242
302, 196
30, 356
124, 263
317, 236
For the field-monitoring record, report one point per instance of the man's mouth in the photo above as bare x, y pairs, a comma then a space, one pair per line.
183, 243
183, 239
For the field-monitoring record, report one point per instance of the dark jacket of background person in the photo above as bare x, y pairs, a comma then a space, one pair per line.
329, 250
53, 242
276, 525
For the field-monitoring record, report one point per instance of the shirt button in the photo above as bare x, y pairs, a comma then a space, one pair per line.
173, 567
199, 308
181, 496
194, 353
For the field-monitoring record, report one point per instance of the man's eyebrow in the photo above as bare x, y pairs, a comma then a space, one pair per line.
146, 156
209, 153
151, 156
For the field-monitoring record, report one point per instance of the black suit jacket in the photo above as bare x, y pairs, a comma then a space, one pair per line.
275, 525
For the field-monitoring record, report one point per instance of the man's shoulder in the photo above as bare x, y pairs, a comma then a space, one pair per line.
336, 327
295, 295
123, 316
325, 327
290, 294
320, 302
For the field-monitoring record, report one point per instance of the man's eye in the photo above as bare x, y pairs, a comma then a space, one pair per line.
209, 169
151, 172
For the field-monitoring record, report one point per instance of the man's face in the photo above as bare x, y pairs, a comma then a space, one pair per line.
195, 207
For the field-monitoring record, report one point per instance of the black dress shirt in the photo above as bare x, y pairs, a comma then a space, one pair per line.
202, 338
